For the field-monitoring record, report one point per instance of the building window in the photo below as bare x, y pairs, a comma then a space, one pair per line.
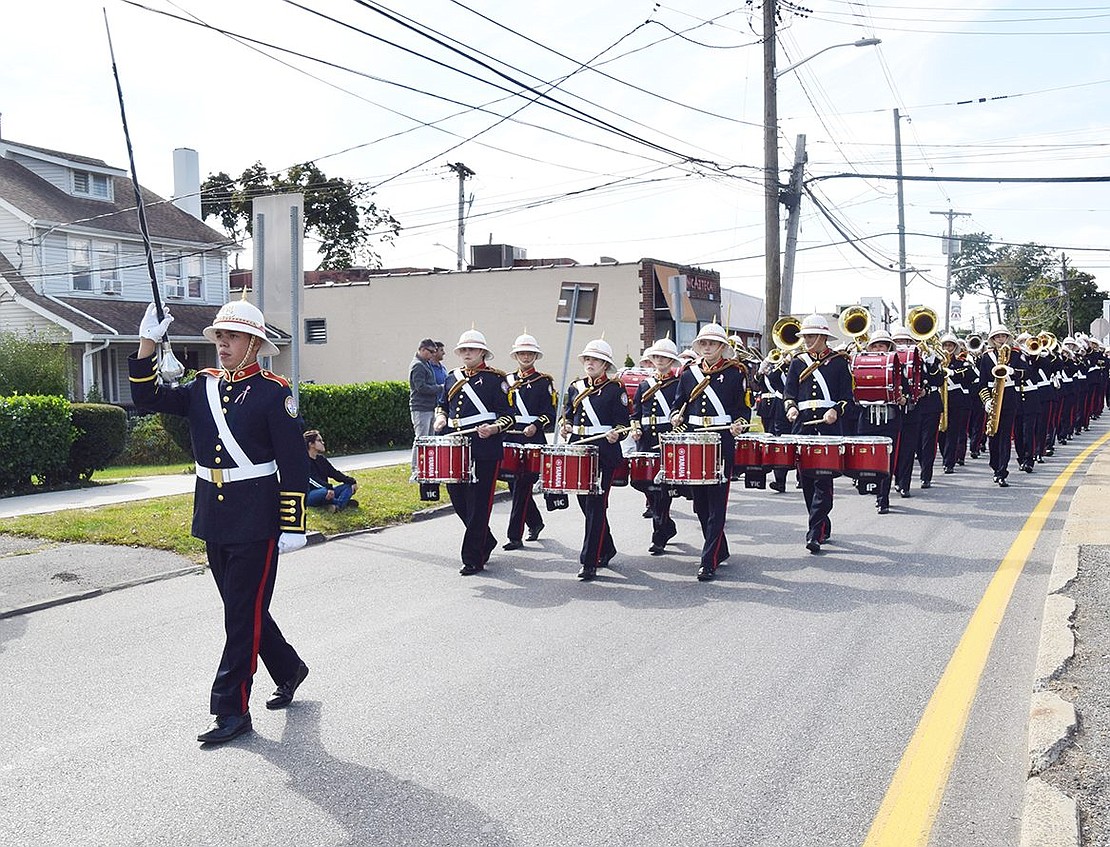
194, 277
182, 275
80, 263
92, 185
94, 266
315, 330
172, 283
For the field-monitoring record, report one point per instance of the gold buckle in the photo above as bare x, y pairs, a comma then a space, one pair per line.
706, 420
217, 475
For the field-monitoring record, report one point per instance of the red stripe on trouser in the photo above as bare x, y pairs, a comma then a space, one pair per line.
492, 490
604, 527
257, 638
721, 534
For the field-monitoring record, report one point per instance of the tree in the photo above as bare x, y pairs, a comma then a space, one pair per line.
1004, 273
339, 212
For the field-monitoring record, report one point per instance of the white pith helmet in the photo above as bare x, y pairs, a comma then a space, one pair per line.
663, 347
241, 316
525, 344
599, 349
880, 335
901, 332
816, 325
712, 332
949, 337
1000, 329
473, 338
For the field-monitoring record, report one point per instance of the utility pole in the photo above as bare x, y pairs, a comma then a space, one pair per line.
901, 219
773, 280
793, 202
948, 265
1064, 290
463, 172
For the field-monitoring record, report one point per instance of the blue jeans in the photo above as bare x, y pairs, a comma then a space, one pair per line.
319, 496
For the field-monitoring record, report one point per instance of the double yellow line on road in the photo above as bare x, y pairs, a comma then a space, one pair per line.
909, 809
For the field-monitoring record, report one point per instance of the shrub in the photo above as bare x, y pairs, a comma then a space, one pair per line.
358, 417
33, 364
150, 444
177, 428
101, 435
35, 436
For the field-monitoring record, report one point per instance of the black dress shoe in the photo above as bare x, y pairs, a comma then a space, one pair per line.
657, 549
949, 470
960, 462
883, 510
512, 545
1002, 483
470, 570
780, 487
534, 534
975, 455
705, 574
927, 484
283, 694
903, 492
813, 546
1028, 467
225, 727
647, 513
587, 573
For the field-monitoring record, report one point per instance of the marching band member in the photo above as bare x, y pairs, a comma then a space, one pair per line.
532, 397
997, 380
885, 420
712, 395
473, 399
597, 405
651, 417
963, 379
930, 408
911, 424
772, 413
818, 390
1029, 408
252, 475
976, 418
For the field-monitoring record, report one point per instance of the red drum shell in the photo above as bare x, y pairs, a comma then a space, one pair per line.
867, 457
910, 359
443, 458
749, 451
779, 453
643, 468
821, 457
518, 458
692, 458
620, 473
570, 469
876, 377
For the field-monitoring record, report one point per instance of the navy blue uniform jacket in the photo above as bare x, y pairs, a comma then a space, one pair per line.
263, 418
612, 406
456, 404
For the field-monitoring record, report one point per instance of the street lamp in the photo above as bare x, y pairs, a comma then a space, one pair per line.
772, 266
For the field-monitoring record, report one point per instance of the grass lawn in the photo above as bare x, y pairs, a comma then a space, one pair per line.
385, 496
132, 471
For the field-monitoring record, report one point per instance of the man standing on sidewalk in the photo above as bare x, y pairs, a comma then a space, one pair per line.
423, 393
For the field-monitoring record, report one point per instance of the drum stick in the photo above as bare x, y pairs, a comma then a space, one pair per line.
620, 429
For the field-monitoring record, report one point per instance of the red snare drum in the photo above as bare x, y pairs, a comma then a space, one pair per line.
643, 468
910, 359
570, 469
443, 458
867, 457
632, 377
620, 473
877, 377
517, 458
692, 458
749, 451
821, 456
780, 452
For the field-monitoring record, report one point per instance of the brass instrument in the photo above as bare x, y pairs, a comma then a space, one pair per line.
944, 362
1048, 341
923, 325
787, 334
1032, 346
999, 372
975, 344
855, 321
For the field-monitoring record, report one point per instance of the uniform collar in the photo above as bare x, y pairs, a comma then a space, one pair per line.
712, 369
597, 383
469, 372
524, 373
242, 373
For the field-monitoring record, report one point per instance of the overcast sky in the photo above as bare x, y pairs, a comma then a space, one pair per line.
661, 154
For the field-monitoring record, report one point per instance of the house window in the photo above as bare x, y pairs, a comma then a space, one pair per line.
194, 277
106, 254
91, 185
315, 330
172, 283
94, 266
80, 263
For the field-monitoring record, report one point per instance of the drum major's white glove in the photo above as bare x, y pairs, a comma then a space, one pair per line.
291, 541
153, 328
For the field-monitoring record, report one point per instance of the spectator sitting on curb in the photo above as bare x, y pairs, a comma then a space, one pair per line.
320, 490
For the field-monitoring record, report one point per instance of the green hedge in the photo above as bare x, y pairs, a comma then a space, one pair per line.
101, 432
35, 437
358, 417
149, 443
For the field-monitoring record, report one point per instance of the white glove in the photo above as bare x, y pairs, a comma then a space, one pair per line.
291, 541
153, 328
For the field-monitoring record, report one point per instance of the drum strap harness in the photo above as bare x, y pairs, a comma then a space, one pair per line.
515, 399
246, 468
703, 387
655, 388
819, 378
482, 414
583, 400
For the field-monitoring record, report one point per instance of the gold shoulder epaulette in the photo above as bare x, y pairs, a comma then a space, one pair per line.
280, 380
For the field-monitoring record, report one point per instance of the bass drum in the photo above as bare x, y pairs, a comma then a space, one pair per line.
877, 377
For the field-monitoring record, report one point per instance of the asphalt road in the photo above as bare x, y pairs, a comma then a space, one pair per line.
521, 707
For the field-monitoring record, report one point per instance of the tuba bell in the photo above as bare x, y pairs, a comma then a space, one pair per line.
855, 322
975, 344
787, 333
922, 324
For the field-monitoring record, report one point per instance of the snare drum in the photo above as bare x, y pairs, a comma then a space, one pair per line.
749, 451
620, 474
443, 458
779, 452
877, 377
821, 456
692, 458
643, 468
570, 469
518, 458
867, 457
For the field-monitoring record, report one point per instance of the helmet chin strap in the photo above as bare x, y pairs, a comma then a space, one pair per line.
249, 357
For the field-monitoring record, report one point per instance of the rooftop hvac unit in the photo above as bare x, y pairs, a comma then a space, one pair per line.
495, 255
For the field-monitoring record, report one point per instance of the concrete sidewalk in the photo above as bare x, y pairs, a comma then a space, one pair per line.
147, 487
